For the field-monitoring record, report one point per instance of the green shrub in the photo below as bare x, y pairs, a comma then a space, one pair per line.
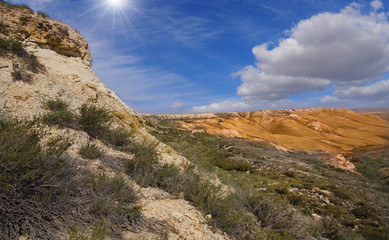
94, 120
333, 210
133, 213
282, 190
90, 151
330, 229
59, 114
12, 46
342, 193
114, 199
119, 136
364, 210
99, 232
374, 233
289, 173
100, 207
35, 184
3, 29
56, 105
60, 118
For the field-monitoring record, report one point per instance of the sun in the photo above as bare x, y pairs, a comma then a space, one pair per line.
116, 3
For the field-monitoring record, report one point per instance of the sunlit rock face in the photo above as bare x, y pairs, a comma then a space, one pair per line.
25, 25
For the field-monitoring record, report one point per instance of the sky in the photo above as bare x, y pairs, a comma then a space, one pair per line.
184, 56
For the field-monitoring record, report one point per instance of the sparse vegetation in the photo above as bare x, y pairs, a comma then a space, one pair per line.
113, 200
61, 118
3, 28
292, 187
40, 190
21, 75
119, 136
231, 165
11, 46
90, 151
25, 62
59, 114
94, 120
225, 211
30, 196
99, 232
43, 14
56, 105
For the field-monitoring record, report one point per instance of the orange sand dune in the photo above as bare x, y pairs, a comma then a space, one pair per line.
331, 130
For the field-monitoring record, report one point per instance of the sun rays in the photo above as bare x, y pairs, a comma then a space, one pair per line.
116, 11
116, 3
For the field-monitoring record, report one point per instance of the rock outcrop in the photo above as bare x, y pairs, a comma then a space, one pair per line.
21, 23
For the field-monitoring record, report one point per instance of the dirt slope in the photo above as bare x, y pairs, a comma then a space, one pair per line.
331, 130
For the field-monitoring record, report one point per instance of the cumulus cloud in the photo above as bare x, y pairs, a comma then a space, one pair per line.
376, 95
376, 4
222, 107
377, 91
246, 104
274, 87
346, 50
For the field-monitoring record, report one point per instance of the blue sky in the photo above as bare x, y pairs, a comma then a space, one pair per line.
227, 55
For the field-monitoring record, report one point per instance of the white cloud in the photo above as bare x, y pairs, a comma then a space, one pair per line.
329, 99
348, 49
376, 4
178, 104
274, 87
222, 107
246, 104
375, 95
377, 91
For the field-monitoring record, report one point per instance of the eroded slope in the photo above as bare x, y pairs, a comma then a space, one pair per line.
330, 130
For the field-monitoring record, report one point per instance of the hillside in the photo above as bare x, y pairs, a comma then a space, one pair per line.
330, 130
78, 163
46, 76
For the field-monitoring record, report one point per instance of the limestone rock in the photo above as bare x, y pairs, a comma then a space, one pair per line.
27, 26
339, 161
